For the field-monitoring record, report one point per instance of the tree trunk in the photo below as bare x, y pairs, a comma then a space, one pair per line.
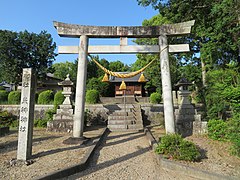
203, 72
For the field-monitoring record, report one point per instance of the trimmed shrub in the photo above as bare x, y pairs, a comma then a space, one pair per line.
14, 97
42, 123
46, 97
58, 99
217, 129
49, 114
7, 119
92, 96
3, 96
173, 146
155, 98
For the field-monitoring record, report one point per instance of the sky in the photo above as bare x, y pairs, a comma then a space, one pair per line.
35, 16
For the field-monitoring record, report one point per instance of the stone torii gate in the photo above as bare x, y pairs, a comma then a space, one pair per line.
122, 32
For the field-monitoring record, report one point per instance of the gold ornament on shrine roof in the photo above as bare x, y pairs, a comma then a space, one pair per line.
123, 86
142, 78
105, 78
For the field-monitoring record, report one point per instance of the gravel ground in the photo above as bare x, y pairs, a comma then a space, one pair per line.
125, 156
216, 156
120, 156
49, 154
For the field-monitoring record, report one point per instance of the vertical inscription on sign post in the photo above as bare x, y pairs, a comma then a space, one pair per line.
25, 132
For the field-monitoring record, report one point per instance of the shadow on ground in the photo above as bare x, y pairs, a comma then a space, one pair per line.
94, 167
12, 145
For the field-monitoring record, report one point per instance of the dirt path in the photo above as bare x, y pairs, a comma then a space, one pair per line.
125, 156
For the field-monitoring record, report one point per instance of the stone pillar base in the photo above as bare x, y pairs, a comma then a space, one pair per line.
79, 141
60, 126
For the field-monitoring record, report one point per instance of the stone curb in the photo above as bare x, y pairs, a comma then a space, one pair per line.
79, 167
180, 168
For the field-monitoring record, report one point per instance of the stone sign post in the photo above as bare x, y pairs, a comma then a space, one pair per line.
25, 132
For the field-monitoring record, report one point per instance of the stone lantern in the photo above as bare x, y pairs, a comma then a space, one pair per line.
183, 92
185, 113
67, 85
63, 119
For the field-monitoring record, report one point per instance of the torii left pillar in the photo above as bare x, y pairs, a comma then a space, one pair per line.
78, 120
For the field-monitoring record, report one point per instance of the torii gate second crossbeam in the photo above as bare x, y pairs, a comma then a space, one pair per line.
122, 32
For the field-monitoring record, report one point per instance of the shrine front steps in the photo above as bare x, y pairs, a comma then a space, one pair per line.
127, 118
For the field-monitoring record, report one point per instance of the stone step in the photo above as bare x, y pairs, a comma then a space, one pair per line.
121, 117
126, 118
117, 113
133, 116
123, 122
127, 110
135, 126
117, 126
125, 127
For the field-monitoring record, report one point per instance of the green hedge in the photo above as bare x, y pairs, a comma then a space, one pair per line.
7, 119
155, 98
58, 99
92, 96
46, 97
3, 96
14, 97
173, 146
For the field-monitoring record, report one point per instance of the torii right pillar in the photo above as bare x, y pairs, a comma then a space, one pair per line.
166, 86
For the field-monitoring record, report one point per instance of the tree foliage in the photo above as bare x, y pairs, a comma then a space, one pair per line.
25, 50
63, 68
223, 92
216, 31
153, 72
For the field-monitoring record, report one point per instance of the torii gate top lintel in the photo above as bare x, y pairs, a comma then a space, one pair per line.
73, 30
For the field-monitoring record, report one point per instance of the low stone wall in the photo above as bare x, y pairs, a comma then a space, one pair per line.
38, 114
152, 114
98, 113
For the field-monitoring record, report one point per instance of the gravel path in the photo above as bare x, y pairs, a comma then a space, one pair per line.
125, 156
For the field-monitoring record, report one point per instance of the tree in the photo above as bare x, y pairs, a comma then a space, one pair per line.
97, 84
25, 50
223, 92
62, 69
8, 55
215, 34
118, 66
153, 72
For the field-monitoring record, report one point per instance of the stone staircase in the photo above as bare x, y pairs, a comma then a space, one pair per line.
126, 118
